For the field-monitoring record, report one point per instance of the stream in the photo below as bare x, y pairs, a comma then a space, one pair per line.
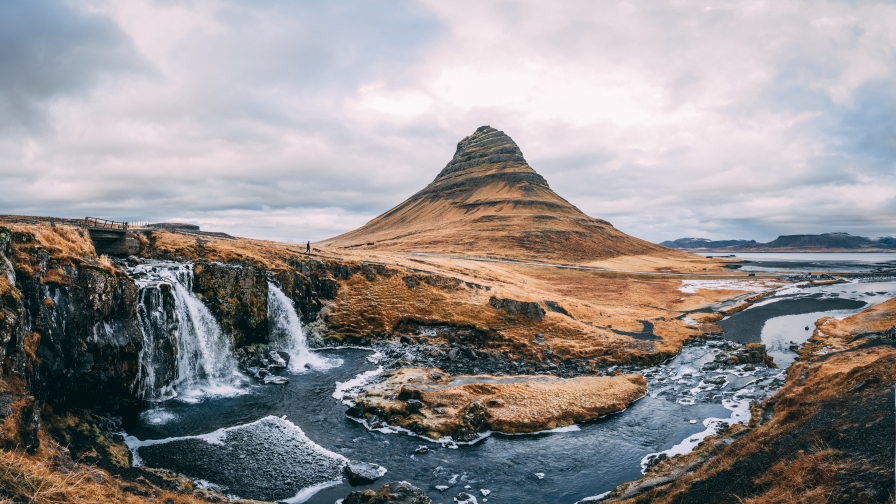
289, 442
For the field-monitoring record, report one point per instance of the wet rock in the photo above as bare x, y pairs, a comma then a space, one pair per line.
275, 380
405, 339
711, 366
422, 449
465, 498
749, 367
435, 376
716, 380
275, 360
413, 406
391, 493
539, 339
363, 473
473, 422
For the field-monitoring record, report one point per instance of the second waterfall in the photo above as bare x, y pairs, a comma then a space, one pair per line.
286, 332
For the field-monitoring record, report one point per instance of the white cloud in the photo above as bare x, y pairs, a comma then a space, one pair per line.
295, 121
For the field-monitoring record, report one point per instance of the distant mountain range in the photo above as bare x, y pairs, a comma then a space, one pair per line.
827, 242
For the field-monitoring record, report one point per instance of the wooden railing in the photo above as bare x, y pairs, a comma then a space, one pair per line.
94, 223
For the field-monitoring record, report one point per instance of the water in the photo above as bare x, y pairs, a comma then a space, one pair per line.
780, 333
287, 334
813, 261
185, 352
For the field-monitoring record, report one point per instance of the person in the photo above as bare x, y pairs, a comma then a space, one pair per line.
308, 247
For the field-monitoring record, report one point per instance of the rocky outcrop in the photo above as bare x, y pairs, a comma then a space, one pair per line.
237, 296
74, 338
748, 355
434, 404
396, 492
485, 146
362, 473
68, 335
530, 309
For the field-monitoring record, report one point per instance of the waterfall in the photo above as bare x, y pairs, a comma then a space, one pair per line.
185, 352
9, 269
286, 332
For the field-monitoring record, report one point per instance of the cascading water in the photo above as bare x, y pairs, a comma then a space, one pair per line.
185, 352
286, 332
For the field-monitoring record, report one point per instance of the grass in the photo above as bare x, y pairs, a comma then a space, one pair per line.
49, 478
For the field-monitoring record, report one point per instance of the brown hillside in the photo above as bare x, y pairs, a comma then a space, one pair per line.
488, 201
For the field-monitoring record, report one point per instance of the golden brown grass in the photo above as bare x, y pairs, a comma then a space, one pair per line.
61, 240
515, 404
37, 479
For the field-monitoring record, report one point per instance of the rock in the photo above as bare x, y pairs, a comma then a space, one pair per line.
716, 380
405, 339
391, 493
749, 367
465, 498
276, 361
530, 309
422, 449
275, 380
363, 473
374, 422
435, 376
539, 339
413, 406
711, 366
484, 492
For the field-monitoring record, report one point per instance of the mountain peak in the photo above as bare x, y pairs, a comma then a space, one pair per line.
488, 201
486, 145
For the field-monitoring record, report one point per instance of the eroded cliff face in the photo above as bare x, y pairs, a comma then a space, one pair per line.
68, 333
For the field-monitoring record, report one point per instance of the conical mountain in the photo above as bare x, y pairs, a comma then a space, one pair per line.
488, 201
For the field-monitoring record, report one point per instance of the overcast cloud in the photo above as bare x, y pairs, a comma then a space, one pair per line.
303, 120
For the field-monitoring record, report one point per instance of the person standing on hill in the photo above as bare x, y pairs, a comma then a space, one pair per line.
308, 247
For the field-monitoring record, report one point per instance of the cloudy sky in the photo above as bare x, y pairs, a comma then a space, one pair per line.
300, 120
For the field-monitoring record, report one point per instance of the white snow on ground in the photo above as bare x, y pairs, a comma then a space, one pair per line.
692, 286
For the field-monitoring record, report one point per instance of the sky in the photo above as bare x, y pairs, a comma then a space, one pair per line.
300, 120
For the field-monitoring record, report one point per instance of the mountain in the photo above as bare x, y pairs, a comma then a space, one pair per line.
704, 243
488, 201
886, 240
826, 242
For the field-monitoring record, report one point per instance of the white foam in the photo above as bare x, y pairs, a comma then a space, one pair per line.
308, 492
594, 498
343, 388
740, 413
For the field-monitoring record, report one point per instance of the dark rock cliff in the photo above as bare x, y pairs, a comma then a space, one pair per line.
68, 334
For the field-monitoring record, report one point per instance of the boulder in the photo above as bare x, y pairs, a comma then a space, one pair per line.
363, 473
530, 309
